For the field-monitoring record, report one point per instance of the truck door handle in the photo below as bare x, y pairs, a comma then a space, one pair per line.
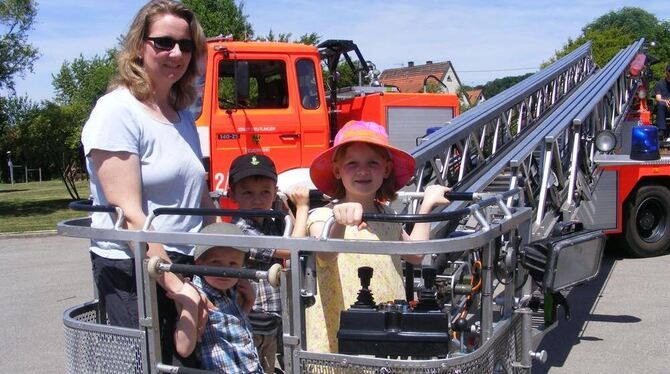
289, 136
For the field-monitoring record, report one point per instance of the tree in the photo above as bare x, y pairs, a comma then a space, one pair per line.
498, 85
309, 39
271, 37
16, 55
48, 137
222, 17
14, 110
78, 86
617, 29
82, 81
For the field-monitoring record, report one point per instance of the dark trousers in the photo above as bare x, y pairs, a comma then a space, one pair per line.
117, 291
661, 113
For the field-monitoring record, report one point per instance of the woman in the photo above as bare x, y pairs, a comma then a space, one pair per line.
142, 153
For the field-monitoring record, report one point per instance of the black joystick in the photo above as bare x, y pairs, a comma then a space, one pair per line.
428, 295
365, 300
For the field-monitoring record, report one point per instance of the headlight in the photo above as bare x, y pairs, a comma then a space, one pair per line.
605, 141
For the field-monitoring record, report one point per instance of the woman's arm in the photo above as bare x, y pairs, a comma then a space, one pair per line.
119, 175
206, 202
186, 330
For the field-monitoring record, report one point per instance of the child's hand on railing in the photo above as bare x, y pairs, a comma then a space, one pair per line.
246, 295
434, 195
349, 214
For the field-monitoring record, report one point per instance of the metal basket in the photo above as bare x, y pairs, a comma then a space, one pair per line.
91, 347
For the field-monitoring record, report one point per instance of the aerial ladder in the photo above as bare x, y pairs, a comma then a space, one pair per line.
538, 136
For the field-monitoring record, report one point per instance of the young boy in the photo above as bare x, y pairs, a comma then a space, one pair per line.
253, 185
226, 345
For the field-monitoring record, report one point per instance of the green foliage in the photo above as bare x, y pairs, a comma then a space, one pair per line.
16, 55
347, 77
617, 29
222, 17
81, 82
271, 37
496, 86
434, 87
47, 137
309, 39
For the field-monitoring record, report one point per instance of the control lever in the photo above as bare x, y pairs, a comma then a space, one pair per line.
428, 295
365, 300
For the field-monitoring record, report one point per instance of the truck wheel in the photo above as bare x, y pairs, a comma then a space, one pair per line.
647, 222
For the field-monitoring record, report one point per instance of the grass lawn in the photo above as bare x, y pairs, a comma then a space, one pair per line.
37, 205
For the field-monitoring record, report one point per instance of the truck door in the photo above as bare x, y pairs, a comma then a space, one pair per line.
264, 122
313, 111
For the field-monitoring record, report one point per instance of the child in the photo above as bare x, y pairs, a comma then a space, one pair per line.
362, 171
226, 346
253, 185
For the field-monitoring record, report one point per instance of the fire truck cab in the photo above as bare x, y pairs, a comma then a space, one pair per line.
269, 98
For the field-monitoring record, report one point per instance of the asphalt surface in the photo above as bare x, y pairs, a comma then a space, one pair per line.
619, 320
41, 277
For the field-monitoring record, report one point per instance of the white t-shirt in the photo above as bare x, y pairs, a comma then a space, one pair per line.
172, 174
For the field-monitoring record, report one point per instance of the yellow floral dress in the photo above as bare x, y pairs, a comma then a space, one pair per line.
338, 282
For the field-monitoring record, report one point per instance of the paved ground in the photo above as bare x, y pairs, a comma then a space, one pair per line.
619, 321
41, 277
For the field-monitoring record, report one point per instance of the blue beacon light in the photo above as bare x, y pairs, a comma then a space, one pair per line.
644, 143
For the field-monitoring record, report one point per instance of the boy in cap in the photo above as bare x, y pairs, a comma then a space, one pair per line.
662, 96
226, 345
253, 185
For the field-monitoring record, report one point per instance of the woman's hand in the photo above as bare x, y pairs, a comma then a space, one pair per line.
246, 295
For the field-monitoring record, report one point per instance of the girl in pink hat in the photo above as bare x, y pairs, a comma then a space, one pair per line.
362, 172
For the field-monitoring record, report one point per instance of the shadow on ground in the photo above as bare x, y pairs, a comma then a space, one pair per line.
582, 299
12, 190
28, 208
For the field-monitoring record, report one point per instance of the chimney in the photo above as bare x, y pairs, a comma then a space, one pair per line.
429, 62
410, 64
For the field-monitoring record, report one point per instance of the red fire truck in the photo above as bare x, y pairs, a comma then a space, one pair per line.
269, 98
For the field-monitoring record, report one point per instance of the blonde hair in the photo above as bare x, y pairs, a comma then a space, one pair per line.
386, 191
131, 73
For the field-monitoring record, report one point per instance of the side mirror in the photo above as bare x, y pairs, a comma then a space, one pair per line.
242, 81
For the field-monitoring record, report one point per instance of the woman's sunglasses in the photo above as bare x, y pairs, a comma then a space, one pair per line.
165, 43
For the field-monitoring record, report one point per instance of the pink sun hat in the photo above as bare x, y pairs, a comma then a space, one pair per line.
321, 170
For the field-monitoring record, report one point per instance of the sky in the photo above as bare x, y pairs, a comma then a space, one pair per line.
484, 40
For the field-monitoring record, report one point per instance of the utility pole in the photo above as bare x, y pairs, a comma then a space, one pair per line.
11, 167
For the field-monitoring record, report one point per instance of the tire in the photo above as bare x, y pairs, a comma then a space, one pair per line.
647, 222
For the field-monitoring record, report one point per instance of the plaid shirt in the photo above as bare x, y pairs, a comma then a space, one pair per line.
227, 345
267, 297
